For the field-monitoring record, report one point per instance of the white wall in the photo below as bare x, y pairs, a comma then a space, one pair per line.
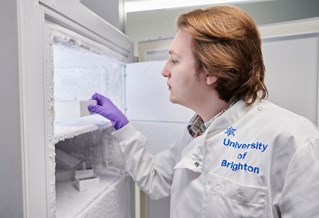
292, 73
143, 26
11, 197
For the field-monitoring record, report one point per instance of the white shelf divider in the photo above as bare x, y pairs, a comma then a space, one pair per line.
76, 126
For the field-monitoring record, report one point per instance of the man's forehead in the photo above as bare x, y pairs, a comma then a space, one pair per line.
181, 44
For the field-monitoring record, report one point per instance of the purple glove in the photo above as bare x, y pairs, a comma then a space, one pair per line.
107, 109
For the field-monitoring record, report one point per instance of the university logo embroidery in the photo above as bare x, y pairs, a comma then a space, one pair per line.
230, 131
240, 162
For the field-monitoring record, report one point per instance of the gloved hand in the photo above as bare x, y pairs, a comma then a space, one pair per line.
107, 109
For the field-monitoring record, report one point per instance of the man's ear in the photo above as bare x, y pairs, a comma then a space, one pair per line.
210, 80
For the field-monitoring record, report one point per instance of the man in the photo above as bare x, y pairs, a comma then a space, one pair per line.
241, 155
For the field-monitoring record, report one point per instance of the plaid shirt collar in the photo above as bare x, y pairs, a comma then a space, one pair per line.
196, 126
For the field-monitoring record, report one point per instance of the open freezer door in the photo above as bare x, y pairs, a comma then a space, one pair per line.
147, 95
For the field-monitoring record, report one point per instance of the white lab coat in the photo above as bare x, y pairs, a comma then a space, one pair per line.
252, 161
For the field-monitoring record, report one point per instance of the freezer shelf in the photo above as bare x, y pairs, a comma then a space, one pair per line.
76, 126
72, 203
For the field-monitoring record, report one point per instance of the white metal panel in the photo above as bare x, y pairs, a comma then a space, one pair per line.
291, 73
147, 95
11, 168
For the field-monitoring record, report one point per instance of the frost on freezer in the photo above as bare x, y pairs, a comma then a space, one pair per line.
93, 163
84, 158
80, 71
96, 149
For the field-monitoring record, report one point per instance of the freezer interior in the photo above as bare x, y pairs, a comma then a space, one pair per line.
89, 175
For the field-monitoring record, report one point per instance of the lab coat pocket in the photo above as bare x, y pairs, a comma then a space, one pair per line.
224, 198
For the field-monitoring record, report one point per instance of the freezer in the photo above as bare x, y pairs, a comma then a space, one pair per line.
70, 168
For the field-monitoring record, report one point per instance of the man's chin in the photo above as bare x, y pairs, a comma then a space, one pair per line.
174, 101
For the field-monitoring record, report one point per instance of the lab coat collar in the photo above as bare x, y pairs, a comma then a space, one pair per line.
230, 116
193, 159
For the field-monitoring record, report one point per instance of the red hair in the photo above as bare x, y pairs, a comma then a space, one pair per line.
227, 44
